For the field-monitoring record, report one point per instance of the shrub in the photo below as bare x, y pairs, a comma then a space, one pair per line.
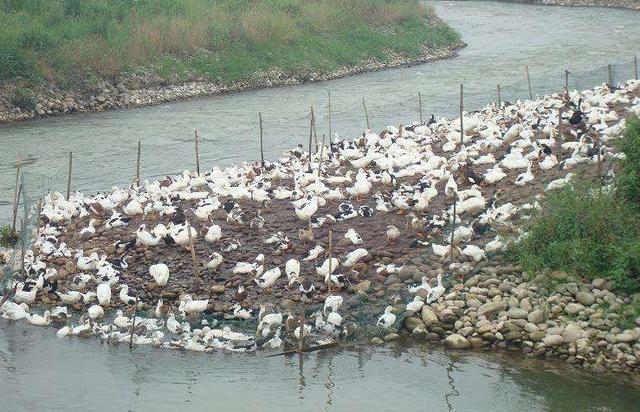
8, 238
628, 181
24, 98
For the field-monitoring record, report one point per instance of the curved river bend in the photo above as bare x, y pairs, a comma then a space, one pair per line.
38, 372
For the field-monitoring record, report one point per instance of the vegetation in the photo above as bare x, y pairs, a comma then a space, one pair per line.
589, 230
24, 99
8, 238
225, 40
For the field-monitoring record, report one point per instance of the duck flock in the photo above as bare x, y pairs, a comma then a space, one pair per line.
357, 235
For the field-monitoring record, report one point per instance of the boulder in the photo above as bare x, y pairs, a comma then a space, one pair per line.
456, 341
491, 308
428, 315
553, 340
585, 298
517, 313
573, 308
537, 316
572, 332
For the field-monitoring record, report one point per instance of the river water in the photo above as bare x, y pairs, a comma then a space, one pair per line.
38, 372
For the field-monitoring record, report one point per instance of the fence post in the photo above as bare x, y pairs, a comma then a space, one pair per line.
566, 83
16, 196
69, 175
420, 106
610, 70
453, 229
529, 82
635, 66
366, 114
499, 98
461, 109
197, 152
138, 162
261, 146
329, 116
310, 139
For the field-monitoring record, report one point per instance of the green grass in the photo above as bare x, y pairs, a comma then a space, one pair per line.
588, 230
67, 41
7, 237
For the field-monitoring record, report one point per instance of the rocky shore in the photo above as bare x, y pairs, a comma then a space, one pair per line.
617, 4
134, 90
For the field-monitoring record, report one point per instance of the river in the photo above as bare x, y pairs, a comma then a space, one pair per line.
39, 372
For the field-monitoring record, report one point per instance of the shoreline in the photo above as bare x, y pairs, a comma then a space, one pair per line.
496, 305
611, 4
134, 91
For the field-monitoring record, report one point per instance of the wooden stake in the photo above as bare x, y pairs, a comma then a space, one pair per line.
566, 83
329, 286
310, 139
420, 107
560, 132
461, 109
453, 229
599, 160
499, 98
195, 132
302, 320
529, 82
15, 209
69, 175
329, 116
138, 162
38, 212
133, 324
261, 145
366, 113
610, 70
635, 66
16, 195
194, 260
313, 127
321, 156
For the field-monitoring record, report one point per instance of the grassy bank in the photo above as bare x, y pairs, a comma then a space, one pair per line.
75, 42
589, 230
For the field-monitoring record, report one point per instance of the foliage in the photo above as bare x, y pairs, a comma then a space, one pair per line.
225, 39
7, 236
24, 98
628, 181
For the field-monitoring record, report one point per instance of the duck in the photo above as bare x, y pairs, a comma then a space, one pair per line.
25, 293
189, 305
333, 302
313, 253
393, 233
124, 295
308, 209
95, 312
353, 237
133, 208
147, 238
160, 273
121, 321
494, 175
474, 252
423, 285
37, 320
451, 188
214, 234
88, 231
256, 267
103, 292
268, 278
354, 257
71, 297
415, 305
292, 270
305, 235
436, 292
525, 177
549, 162
307, 290
387, 319
328, 267
257, 222
240, 313
214, 261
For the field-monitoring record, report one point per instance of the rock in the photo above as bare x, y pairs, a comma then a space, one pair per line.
377, 341
573, 308
391, 337
585, 298
428, 315
217, 289
413, 322
506, 287
362, 286
491, 308
447, 316
553, 340
603, 284
407, 272
517, 313
537, 336
456, 341
625, 337
572, 332
537, 316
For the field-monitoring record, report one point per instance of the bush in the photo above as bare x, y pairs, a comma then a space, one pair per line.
8, 238
25, 99
628, 181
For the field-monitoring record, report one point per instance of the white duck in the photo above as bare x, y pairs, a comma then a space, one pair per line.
38, 320
95, 312
103, 292
387, 319
268, 278
415, 305
437, 291
124, 295
188, 305
353, 237
292, 270
160, 273
214, 233
355, 256
525, 177
214, 261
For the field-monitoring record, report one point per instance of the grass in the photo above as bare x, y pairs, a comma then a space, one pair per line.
68, 41
7, 236
588, 230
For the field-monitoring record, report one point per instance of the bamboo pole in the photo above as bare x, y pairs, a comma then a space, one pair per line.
313, 123
610, 71
16, 196
194, 260
22, 245
461, 110
133, 324
453, 229
566, 83
69, 175
597, 142
310, 139
560, 132
138, 162
329, 115
321, 156
366, 113
261, 144
529, 82
635, 66
499, 98
38, 212
302, 321
195, 133
420, 106
329, 286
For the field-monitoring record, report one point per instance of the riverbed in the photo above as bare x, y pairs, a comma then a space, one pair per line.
502, 39
38, 371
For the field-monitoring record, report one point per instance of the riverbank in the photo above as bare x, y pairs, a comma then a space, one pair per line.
94, 56
136, 91
616, 4
258, 233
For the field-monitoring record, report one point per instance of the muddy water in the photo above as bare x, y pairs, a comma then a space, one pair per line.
502, 39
